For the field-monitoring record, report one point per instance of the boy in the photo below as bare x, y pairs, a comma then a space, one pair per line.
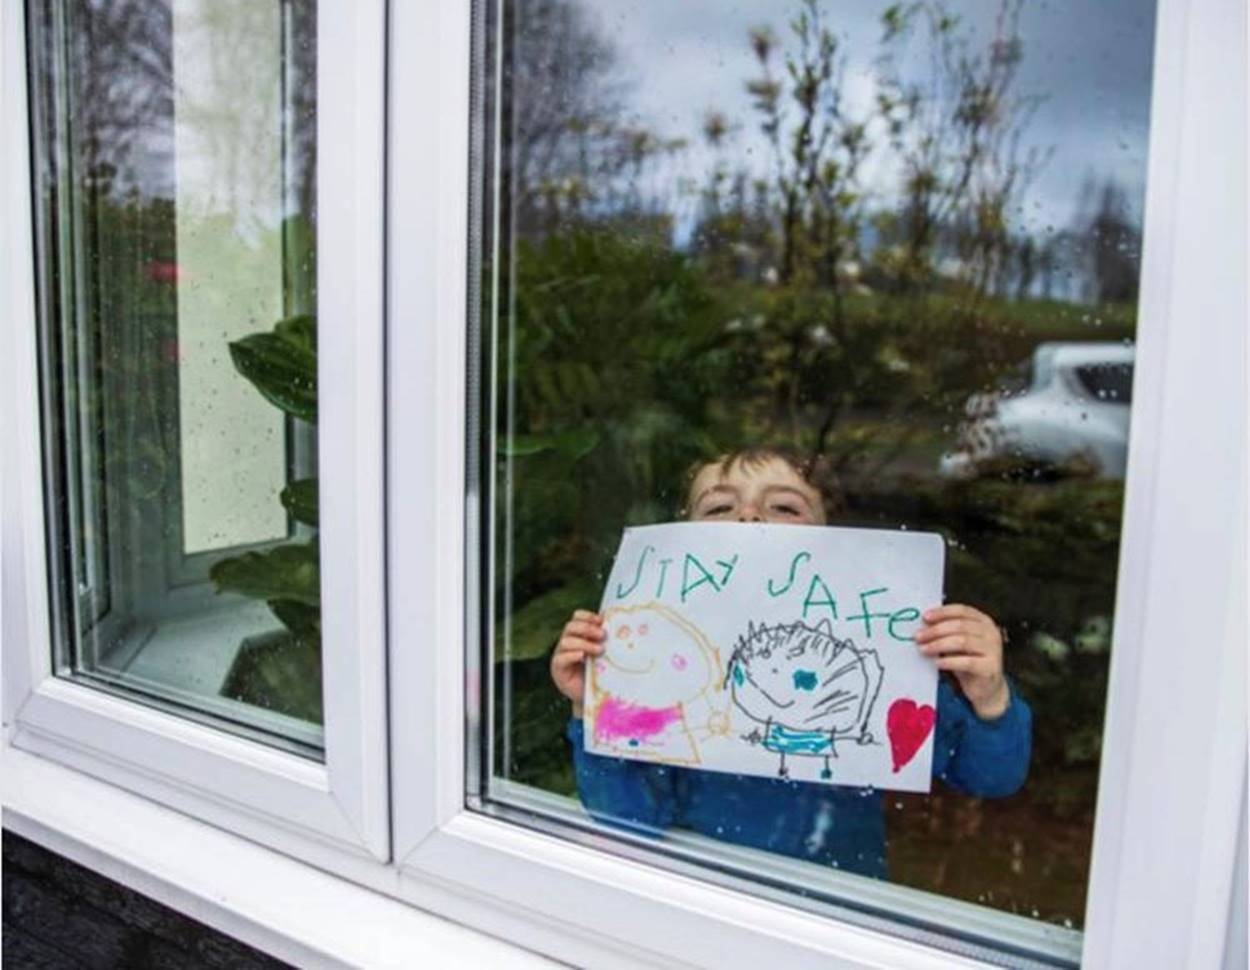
982, 736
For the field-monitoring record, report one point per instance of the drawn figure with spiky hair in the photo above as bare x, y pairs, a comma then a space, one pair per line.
806, 689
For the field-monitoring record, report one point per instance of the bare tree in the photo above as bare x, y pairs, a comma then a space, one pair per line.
120, 84
571, 150
818, 150
957, 128
1112, 243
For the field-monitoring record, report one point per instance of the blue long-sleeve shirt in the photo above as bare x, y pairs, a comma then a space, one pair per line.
827, 824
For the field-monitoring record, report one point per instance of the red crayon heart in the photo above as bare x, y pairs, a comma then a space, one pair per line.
908, 725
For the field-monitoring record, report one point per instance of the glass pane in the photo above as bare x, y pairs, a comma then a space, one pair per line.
883, 258
175, 157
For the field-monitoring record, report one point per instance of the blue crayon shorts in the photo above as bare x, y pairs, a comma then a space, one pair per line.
783, 740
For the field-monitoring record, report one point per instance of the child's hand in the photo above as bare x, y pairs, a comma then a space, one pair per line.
582, 637
969, 644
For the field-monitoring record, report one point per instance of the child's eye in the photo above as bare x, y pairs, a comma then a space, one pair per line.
786, 509
720, 509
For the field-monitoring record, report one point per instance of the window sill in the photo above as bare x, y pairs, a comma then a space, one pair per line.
267, 900
989, 933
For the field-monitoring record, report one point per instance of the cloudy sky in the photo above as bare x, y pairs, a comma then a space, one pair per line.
1091, 62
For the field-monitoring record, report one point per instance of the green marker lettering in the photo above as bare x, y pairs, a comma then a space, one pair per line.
810, 600
909, 614
621, 592
729, 569
866, 616
794, 565
659, 588
688, 587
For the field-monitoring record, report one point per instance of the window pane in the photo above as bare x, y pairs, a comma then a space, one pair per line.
885, 256
175, 198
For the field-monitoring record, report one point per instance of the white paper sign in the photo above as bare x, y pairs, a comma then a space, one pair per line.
770, 650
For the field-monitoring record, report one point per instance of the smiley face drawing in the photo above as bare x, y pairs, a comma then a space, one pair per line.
656, 663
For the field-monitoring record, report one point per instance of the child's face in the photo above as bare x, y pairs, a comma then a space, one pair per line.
765, 491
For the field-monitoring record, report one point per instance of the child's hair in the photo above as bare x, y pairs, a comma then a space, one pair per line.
816, 470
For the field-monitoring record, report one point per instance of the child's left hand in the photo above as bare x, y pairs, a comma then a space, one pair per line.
969, 644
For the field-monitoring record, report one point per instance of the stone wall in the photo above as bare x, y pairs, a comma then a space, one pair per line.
58, 914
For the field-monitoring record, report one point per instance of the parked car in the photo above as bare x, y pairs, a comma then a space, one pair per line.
1073, 412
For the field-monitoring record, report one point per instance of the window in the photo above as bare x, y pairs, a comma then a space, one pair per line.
177, 224
201, 338
539, 301
844, 234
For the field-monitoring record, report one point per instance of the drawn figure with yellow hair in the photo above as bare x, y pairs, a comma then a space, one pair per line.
656, 670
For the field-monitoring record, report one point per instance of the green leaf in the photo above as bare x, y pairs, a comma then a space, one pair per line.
300, 500
299, 331
572, 444
524, 445
282, 365
536, 626
287, 572
278, 672
300, 618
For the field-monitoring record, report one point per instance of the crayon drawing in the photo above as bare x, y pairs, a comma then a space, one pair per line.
805, 689
769, 650
656, 668
908, 725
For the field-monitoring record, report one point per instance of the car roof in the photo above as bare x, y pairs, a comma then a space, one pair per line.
1072, 354
1067, 354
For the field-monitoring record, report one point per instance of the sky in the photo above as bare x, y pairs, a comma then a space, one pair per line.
1090, 62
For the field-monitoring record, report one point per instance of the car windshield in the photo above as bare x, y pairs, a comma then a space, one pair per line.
1112, 383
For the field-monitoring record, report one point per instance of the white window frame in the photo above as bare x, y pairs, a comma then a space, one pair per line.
1163, 862
336, 812
1163, 865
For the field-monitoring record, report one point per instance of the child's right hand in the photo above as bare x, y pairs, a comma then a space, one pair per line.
581, 638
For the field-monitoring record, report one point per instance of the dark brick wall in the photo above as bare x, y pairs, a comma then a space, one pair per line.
58, 914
